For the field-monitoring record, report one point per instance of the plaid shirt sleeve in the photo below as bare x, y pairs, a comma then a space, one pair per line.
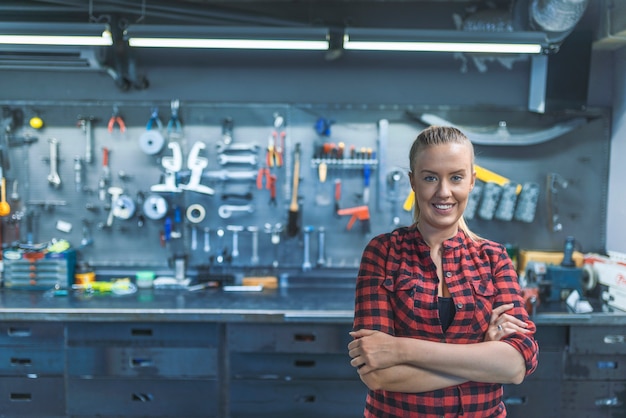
372, 308
506, 281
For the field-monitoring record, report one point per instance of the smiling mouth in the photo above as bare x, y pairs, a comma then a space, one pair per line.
443, 207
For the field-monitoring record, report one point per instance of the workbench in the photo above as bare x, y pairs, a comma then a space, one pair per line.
271, 353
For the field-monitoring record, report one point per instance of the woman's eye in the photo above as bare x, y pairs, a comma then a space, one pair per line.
457, 178
430, 178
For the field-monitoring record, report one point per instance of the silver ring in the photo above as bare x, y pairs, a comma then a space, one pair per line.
499, 327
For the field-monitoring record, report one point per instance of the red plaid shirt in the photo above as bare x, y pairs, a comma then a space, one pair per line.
397, 294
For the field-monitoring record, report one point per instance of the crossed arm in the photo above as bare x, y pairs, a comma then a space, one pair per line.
411, 365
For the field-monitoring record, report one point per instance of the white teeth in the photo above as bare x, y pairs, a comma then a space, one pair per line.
443, 207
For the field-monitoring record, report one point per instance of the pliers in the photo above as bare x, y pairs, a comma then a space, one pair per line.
154, 120
264, 175
274, 154
116, 119
174, 123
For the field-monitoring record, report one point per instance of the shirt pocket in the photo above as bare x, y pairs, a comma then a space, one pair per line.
484, 296
401, 295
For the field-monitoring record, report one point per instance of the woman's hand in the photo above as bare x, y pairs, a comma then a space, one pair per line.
502, 324
372, 350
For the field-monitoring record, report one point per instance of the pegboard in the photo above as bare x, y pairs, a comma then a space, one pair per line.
375, 139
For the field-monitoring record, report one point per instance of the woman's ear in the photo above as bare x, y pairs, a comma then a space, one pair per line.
410, 174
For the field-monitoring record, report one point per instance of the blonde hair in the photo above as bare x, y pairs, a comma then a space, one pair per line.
439, 135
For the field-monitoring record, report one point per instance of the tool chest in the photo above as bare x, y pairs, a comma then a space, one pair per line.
38, 270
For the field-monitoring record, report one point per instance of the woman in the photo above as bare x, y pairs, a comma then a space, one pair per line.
439, 322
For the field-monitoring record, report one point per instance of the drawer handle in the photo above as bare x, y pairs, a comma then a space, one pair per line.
21, 397
306, 398
141, 362
304, 363
142, 397
607, 365
19, 332
614, 339
305, 338
608, 401
515, 400
141, 332
21, 361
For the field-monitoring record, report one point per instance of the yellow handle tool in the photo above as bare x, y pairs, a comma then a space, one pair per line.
489, 176
481, 174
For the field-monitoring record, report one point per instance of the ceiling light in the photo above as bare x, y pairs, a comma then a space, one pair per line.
140, 36
444, 41
55, 34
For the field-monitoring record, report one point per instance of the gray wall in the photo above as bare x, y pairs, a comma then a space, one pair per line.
356, 92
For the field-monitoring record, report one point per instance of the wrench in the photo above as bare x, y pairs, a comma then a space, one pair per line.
53, 177
306, 264
85, 124
321, 257
254, 260
237, 159
235, 229
230, 175
251, 147
226, 211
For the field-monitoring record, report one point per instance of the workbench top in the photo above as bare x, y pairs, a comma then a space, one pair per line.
300, 304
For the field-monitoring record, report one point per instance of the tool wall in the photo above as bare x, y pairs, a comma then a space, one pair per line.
265, 187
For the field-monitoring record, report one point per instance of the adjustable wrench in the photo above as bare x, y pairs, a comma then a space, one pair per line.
53, 178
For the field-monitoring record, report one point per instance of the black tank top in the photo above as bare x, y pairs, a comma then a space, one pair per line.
446, 312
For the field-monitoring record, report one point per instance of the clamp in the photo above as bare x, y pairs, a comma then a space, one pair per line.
116, 119
154, 120
171, 165
362, 213
196, 164
174, 123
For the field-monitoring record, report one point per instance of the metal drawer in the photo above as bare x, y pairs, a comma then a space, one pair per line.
32, 397
550, 366
31, 333
286, 366
16, 361
142, 398
149, 334
595, 367
289, 338
552, 337
598, 339
536, 398
593, 399
142, 362
302, 399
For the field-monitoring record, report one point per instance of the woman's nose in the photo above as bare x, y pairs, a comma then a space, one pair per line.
443, 189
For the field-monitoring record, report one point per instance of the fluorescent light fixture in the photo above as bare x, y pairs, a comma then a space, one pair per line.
55, 34
444, 41
140, 36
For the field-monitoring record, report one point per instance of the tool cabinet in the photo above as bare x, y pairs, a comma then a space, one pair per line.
594, 383
143, 369
32, 369
287, 370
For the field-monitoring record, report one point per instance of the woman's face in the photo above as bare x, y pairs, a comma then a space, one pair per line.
442, 179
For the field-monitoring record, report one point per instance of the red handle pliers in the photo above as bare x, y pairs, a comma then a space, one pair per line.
116, 119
